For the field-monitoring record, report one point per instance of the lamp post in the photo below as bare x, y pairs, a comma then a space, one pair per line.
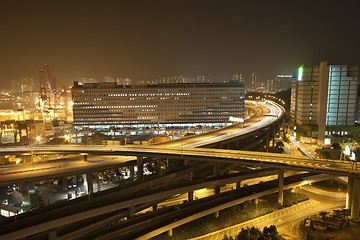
67, 138
38, 138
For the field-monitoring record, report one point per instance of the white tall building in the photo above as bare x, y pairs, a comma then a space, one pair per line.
325, 96
342, 102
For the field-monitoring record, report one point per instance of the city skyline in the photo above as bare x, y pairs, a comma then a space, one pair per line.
145, 41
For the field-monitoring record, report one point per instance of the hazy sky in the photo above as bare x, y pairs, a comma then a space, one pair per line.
144, 40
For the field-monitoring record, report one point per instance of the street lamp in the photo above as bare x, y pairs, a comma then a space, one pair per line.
67, 138
38, 138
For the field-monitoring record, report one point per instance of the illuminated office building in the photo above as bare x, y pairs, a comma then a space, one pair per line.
108, 104
325, 98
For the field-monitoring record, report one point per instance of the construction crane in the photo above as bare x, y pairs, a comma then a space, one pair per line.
54, 93
51, 80
43, 98
49, 101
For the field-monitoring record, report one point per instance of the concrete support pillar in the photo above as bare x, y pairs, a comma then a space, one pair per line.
31, 186
256, 201
187, 163
158, 166
355, 203
24, 189
238, 185
98, 184
170, 233
349, 194
273, 137
267, 140
132, 172
217, 168
131, 212
52, 234
140, 166
154, 207
190, 196
88, 182
217, 173
191, 176
168, 163
281, 186
216, 190
216, 214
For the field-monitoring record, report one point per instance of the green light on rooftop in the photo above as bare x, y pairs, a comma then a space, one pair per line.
300, 73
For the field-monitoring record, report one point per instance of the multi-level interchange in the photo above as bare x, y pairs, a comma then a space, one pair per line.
235, 150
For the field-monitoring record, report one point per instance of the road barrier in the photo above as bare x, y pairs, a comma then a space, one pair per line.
268, 219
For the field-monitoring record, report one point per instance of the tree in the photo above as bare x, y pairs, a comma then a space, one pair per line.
96, 138
85, 140
243, 235
255, 233
269, 233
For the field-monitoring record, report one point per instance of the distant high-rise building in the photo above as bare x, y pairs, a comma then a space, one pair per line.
200, 79
23, 85
238, 77
270, 86
248, 79
324, 97
253, 81
282, 82
180, 79
109, 79
123, 81
88, 80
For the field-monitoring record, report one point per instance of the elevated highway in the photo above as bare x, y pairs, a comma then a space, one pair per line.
185, 149
248, 158
269, 114
84, 208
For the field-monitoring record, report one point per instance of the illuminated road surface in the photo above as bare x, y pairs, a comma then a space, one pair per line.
325, 200
299, 146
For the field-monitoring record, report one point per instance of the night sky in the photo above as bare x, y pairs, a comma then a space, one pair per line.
145, 40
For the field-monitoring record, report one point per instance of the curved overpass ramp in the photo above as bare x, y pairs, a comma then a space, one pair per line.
270, 114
